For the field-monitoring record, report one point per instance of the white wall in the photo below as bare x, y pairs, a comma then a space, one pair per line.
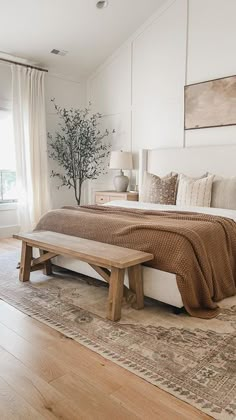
5, 86
110, 93
211, 54
68, 93
159, 60
140, 88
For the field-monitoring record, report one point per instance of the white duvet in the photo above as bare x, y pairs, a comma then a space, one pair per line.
231, 214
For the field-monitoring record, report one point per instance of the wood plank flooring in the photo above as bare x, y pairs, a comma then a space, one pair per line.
44, 375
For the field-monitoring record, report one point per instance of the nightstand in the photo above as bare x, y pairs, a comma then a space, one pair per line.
102, 197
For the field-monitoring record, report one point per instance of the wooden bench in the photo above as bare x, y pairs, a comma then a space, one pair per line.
109, 261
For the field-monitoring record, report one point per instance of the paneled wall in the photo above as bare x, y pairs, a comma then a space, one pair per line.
109, 91
211, 54
159, 60
140, 88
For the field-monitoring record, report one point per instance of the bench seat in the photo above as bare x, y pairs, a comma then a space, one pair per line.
110, 261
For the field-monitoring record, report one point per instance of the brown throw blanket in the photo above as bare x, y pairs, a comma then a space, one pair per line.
200, 249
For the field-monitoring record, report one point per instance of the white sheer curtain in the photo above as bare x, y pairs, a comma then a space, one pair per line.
30, 136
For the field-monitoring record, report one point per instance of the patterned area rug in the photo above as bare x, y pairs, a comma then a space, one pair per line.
193, 359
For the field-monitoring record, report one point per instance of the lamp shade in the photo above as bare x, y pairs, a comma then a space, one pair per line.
121, 160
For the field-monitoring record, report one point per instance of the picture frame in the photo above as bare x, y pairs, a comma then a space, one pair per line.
210, 103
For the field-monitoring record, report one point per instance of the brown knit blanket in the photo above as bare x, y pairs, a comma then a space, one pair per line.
200, 249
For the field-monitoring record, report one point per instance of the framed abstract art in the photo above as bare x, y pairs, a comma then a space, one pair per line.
210, 104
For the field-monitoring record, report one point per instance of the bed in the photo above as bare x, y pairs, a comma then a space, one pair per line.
159, 284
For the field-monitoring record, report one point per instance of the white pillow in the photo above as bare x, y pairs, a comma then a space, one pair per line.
194, 192
224, 193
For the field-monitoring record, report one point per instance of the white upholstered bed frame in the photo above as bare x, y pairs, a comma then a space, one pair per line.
194, 161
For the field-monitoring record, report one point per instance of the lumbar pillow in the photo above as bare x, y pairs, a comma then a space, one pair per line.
159, 190
224, 193
194, 192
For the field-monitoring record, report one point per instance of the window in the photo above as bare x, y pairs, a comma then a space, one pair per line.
7, 159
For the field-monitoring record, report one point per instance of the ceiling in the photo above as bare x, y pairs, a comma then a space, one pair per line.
32, 28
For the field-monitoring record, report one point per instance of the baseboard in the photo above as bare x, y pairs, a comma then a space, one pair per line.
8, 231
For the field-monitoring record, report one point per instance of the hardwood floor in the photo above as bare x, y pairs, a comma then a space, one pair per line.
44, 375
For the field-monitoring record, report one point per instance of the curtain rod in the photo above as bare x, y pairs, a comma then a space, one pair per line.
22, 64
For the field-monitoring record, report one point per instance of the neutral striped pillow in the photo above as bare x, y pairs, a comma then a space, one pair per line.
194, 192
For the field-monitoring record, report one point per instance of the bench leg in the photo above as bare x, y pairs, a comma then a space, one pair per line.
47, 265
115, 294
25, 264
136, 285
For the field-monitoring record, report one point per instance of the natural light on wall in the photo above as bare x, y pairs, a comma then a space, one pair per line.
7, 159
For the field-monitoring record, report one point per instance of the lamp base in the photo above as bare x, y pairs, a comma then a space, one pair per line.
121, 182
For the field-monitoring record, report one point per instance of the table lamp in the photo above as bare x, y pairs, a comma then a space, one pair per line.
121, 160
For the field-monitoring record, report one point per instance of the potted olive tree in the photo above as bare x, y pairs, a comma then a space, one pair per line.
79, 147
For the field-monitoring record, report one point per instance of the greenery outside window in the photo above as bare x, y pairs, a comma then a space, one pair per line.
7, 159
7, 186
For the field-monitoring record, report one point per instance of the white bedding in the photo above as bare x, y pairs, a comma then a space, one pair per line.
231, 214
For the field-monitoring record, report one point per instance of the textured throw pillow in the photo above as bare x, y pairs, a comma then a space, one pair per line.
159, 190
194, 192
224, 193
